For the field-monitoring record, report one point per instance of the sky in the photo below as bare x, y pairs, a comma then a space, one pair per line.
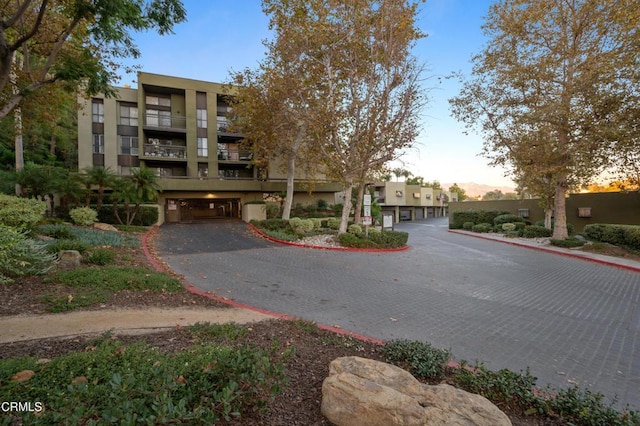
221, 36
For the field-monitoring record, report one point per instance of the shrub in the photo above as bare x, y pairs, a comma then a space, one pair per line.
59, 232
507, 218
298, 209
272, 224
21, 255
508, 227
373, 230
621, 235
477, 216
387, 239
337, 209
533, 231
584, 407
311, 209
567, 243
83, 216
21, 213
147, 215
306, 226
355, 229
467, 225
482, 227
419, 358
59, 245
99, 256
272, 210
322, 204
570, 227
333, 223
255, 202
295, 222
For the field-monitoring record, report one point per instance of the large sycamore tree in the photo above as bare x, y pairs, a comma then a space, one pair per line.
367, 95
43, 42
549, 90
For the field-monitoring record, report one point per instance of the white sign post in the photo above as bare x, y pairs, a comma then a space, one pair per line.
367, 219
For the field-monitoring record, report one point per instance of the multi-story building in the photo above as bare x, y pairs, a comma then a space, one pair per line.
178, 128
411, 202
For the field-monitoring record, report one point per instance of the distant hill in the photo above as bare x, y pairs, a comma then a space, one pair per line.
472, 189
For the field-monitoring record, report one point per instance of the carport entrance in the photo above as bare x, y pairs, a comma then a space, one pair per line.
198, 209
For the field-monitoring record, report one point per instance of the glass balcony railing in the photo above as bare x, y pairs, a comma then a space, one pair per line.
164, 120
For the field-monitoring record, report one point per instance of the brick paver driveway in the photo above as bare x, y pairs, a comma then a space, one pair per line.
569, 320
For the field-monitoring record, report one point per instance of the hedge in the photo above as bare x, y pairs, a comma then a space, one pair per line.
621, 235
479, 216
386, 239
147, 215
533, 231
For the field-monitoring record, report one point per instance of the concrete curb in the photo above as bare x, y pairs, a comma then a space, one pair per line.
554, 250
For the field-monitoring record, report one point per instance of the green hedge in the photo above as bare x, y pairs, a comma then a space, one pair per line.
533, 231
620, 235
479, 216
386, 239
21, 213
507, 218
147, 216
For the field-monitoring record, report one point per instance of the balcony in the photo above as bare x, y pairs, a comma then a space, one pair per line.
163, 121
234, 154
223, 126
167, 152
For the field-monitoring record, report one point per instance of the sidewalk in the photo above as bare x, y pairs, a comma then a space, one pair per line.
537, 245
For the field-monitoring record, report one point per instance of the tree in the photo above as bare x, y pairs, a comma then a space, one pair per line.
496, 194
435, 185
76, 42
462, 194
548, 91
142, 186
102, 178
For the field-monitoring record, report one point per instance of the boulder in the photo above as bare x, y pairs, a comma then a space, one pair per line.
360, 391
105, 227
69, 259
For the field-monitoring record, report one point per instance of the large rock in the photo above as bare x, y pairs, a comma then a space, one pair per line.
360, 391
105, 227
69, 259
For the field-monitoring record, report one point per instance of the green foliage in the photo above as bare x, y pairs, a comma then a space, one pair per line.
333, 223
137, 384
482, 227
507, 218
478, 216
337, 209
282, 235
21, 256
255, 202
621, 235
382, 240
373, 230
311, 209
275, 224
301, 226
354, 229
59, 245
322, 204
206, 332
114, 278
99, 256
83, 216
272, 210
533, 231
467, 226
570, 227
567, 243
146, 216
90, 236
22, 213
508, 227
419, 358
501, 387
583, 407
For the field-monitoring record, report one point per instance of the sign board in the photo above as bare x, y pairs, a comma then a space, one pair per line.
367, 210
367, 200
387, 221
367, 221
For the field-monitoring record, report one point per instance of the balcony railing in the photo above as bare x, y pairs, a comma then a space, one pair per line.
160, 120
165, 151
234, 154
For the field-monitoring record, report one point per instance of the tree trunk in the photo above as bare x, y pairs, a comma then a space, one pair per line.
359, 202
548, 214
17, 127
560, 210
288, 200
346, 208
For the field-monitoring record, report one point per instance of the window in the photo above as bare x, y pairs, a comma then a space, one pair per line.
128, 115
201, 118
203, 170
203, 149
158, 118
97, 111
128, 145
98, 144
158, 100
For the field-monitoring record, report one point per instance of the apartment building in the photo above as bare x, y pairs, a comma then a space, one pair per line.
412, 202
178, 128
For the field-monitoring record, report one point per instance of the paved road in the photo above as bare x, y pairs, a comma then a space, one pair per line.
569, 320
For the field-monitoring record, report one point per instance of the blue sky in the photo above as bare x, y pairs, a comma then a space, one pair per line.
221, 36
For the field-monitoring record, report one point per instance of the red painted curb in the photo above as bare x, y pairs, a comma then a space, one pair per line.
195, 290
354, 249
550, 250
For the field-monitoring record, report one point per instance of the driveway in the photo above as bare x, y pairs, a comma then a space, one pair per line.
569, 320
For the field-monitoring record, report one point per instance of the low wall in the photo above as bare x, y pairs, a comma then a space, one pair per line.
603, 207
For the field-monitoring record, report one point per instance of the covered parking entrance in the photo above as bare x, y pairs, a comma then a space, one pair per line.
182, 210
